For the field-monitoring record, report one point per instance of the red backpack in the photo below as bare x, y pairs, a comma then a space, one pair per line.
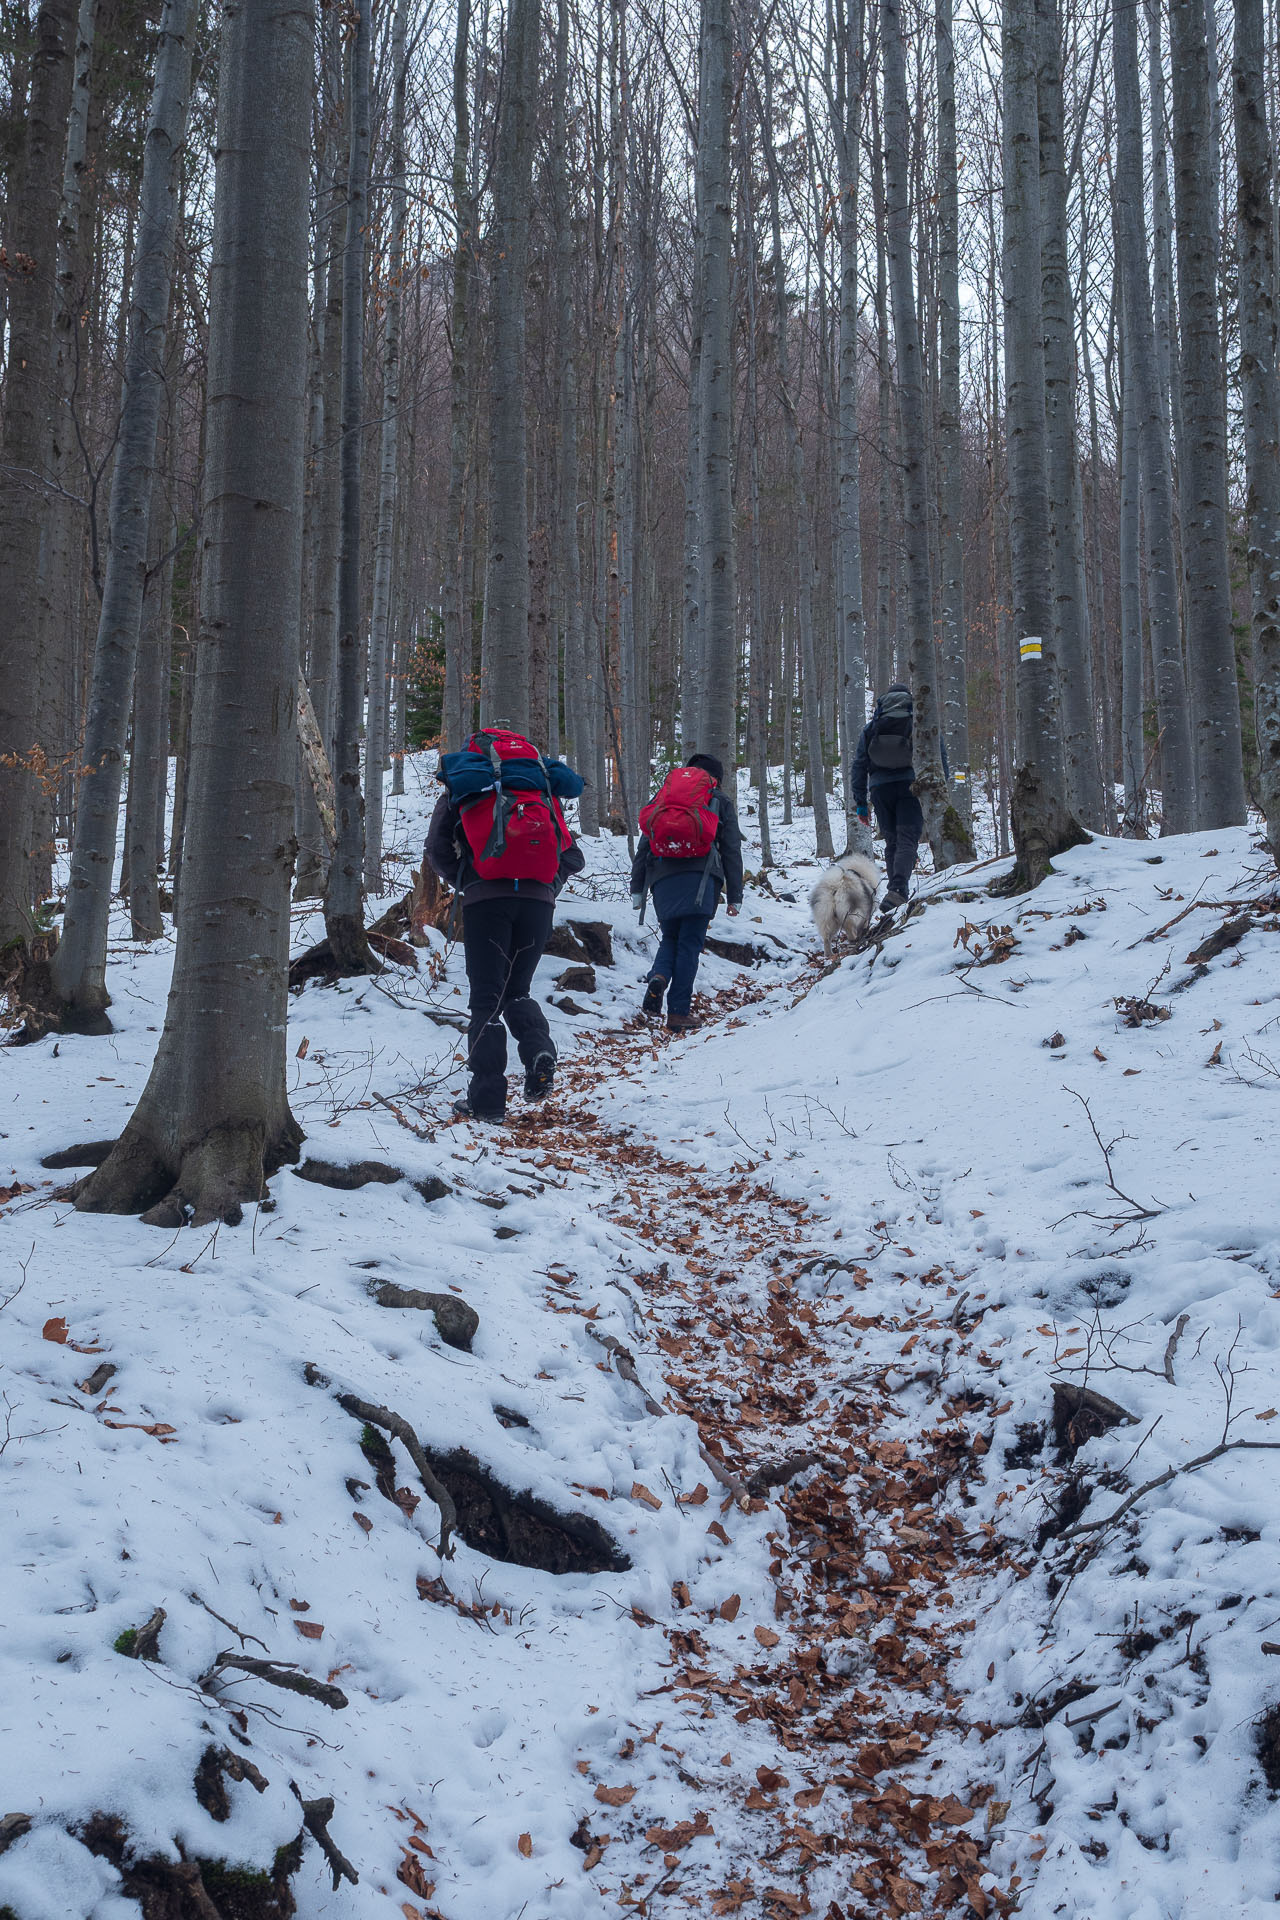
514, 827
680, 820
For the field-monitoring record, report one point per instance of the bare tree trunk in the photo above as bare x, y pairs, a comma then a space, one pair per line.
717, 720
457, 672
214, 1121
376, 726
1178, 774
344, 890
322, 653
79, 964
806, 565
850, 64
947, 835
1042, 824
757, 668
506, 610
1260, 378
149, 748
1202, 472
952, 647
1081, 769
1132, 750
26, 455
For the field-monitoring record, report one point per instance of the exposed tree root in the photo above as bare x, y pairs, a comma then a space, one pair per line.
397, 1425
278, 1675
316, 1815
26, 980
90, 1153
214, 1179
193, 1889
456, 1322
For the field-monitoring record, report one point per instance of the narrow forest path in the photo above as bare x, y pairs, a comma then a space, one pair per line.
812, 1735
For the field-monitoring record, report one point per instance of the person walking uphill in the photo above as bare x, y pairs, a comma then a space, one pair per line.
883, 760
690, 848
498, 836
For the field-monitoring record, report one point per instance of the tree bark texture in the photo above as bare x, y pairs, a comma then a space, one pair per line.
1082, 773
80, 962
379, 714
1260, 379
1212, 688
947, 837
214, 1121
717, 720
850, 56
1042, 824
1177, 768
952, 637
26, 454
506, 608
344, 890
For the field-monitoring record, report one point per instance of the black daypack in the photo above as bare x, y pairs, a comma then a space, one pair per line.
889, 740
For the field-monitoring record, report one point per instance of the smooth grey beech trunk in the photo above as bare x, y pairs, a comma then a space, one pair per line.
1260, 380
149, 742
1212, 687
458, 692
213, 1120
947, 838
377, 724
806, 563
1132, 746
506, 603
26, 456
577, 706
1177, 769
344, 889
952, 648
79, 966
886, 548
1042, 823
717, 721
1082, 772
758, 656
846, 122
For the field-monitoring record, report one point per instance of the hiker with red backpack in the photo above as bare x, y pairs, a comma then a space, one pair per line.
690, 848
498, 836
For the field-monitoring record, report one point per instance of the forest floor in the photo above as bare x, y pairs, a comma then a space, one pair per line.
910, 1332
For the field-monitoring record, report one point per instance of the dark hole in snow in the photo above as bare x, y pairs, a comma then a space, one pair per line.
1106, 1289
1070, 1504
507, 1525
1240, 1533
519, 1527
508, 1417
1030, 1445
1266, 1739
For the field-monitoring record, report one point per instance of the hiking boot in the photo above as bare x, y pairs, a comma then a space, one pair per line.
538, 1077
463, 1110
652, 1002
683, 1023
893, 899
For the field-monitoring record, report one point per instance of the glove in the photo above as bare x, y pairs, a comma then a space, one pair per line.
864, 814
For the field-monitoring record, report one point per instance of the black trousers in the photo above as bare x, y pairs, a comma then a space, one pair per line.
502, 942
901, 821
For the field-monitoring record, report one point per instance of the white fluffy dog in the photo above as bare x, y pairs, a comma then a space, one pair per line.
843, 899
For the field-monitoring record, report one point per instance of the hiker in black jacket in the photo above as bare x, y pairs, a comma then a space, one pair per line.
686, 895
883, 761
506, 924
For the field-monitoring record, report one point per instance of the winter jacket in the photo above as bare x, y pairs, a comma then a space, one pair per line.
677, 885
449, 856
866, 772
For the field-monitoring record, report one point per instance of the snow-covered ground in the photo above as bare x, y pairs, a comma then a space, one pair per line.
873, 1213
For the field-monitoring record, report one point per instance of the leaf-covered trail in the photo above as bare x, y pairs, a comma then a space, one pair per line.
822, 1722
